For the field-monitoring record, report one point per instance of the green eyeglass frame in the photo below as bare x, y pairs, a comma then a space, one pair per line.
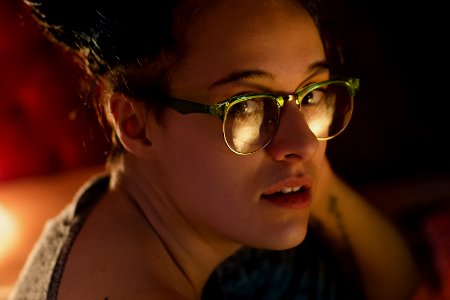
220, 109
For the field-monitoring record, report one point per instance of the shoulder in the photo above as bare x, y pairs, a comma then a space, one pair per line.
118, 256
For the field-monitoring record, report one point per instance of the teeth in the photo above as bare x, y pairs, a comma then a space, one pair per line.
287, 190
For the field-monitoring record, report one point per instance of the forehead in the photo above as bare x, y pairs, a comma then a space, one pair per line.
277, 36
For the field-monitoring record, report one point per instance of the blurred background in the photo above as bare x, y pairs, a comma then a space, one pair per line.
395, 150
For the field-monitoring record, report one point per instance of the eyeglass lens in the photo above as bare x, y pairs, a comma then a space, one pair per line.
251, 124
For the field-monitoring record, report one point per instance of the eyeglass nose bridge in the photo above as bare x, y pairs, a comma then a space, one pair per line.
287, 98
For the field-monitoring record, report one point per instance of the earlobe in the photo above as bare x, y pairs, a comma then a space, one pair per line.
129, 119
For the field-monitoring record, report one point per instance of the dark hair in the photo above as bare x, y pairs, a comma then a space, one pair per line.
136, 44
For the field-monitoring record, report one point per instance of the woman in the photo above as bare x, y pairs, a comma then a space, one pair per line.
220, 112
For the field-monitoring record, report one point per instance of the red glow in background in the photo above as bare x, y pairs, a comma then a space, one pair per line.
45, 126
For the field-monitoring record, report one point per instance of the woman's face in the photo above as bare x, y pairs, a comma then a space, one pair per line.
238, 47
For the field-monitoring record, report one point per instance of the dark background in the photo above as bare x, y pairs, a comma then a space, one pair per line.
400, 127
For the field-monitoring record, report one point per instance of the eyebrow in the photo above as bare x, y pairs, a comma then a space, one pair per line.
240, 75
246, 74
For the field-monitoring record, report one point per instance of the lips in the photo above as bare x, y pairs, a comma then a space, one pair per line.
290, 185
290, 193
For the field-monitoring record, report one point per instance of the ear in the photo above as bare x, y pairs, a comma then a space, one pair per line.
129, 118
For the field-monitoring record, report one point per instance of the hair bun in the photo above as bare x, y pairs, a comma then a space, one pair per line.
112, 32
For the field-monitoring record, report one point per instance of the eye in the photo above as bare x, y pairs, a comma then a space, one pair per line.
246, 108
315, 97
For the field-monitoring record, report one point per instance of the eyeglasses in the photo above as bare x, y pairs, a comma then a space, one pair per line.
249, 122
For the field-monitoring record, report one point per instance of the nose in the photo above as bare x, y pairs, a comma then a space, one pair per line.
293, 140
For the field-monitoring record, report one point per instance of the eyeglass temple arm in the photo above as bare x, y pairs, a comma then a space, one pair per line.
188, 107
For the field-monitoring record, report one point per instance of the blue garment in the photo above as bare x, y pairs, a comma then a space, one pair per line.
314, 270
306, 272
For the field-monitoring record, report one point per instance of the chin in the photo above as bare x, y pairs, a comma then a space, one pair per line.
286, 238
292, 241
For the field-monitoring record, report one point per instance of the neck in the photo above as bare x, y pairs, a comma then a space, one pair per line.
192, 251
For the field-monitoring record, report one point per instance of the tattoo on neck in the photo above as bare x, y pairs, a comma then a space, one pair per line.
334, 211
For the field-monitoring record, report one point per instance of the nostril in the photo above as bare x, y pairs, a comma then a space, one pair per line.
291, 156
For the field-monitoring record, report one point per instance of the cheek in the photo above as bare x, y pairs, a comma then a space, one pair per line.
195, 135
319, 156
197, 161
318, 161
210, 190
